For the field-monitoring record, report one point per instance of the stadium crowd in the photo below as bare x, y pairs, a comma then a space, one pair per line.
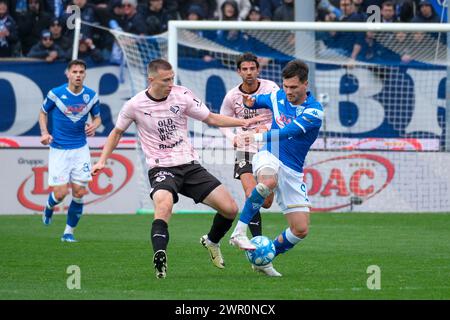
37, 28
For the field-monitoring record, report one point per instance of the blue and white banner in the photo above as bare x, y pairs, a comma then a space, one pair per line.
365, 103
24, 85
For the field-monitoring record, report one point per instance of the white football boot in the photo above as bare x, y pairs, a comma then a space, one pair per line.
241, 241
268, 269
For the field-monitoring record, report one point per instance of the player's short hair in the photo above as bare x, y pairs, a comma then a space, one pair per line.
158, 64
246, 57
296, 68
77, 62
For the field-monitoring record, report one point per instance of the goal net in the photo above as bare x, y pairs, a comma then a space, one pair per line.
383, 145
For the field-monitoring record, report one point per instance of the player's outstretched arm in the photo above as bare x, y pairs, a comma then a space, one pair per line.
248, 101
218, 120
259, 101
46, 138
110, 145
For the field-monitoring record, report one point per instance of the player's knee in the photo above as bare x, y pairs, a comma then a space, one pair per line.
268, 202
300, 231
79, 193
268, 177
163, 207
230, 210
60, 194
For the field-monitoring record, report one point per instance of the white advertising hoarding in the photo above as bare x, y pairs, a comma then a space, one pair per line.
337, 181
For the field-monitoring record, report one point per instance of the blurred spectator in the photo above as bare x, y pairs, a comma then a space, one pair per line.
8, 32
426, 13
133, 22
32, 23
243, 8
403, 46
209, 7
268, 7
115, 10
195, 12
417, 47
46, 49
60, 39
99, 4
285, 12
171, 7
405, 10
358, 7
88, 51
56, 7
388, 12
156, 17
17, 8
324, 7
229, 10
254, 14
234, 39
350, 41
372, 51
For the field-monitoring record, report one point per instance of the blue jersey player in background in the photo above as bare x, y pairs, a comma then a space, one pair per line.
278, 167
68, 106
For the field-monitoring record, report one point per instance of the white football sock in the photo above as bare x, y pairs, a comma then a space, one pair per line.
68, 229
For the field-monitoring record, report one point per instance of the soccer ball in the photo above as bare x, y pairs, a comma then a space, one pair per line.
264, 252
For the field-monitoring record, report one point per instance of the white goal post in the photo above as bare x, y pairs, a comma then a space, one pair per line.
175, 25
441, 55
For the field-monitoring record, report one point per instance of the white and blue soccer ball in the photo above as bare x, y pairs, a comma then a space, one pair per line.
264, 253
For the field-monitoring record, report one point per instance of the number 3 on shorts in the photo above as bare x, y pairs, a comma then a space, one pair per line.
86, 167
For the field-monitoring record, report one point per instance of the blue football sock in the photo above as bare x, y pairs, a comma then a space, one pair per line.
285, 241
75, 211
251, 206
51, 203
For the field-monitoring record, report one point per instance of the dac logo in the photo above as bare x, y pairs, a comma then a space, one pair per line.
333, 182
33, 191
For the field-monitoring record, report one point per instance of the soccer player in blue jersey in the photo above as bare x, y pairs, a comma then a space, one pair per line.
278, 167
68, 106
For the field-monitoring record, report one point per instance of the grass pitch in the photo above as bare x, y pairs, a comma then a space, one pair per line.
115, 259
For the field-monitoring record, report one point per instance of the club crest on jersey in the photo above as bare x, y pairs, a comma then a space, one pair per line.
299, 111
242, 163
175, 109
86, 98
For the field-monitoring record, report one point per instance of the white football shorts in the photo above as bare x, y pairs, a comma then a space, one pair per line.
72, 165
291, 192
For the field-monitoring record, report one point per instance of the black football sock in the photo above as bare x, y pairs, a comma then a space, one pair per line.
255, 225
219, 227
160, 235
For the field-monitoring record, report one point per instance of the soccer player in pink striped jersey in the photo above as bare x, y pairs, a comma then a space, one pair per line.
160, 113
248, 69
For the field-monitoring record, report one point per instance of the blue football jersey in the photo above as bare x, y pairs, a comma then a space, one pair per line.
69, 113
294, 128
